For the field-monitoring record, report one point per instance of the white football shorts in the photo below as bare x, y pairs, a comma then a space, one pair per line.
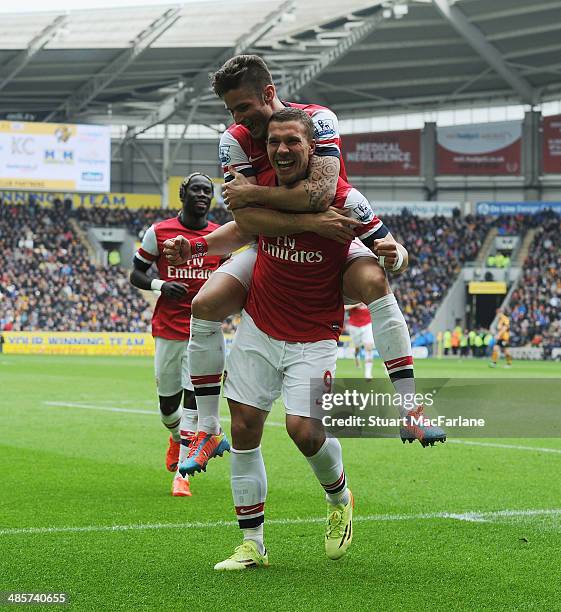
260, 369
361, 336
172, 366
240, 265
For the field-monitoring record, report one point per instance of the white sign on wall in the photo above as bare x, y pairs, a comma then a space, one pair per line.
420, 209
55, 157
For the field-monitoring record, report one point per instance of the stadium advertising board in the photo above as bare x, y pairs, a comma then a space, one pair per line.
420, 209
86, 200
552, 144
383, 153
487, 288
480, 149
55, 157
79, 343
515, 208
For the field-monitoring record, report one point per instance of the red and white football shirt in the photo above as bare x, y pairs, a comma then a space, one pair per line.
171, 319
359, 316
295, 293
249, 156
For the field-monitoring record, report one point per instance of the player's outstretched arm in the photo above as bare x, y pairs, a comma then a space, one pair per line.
227, 238
329, 224
314, 193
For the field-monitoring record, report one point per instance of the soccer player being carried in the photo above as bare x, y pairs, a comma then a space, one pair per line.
260, 206
177, 286
360, 329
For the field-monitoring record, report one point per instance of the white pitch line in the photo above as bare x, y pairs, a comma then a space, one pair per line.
97, 407
512, 446
463, 516
276, 424
126, 410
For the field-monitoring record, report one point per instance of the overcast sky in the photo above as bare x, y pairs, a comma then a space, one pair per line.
25, 6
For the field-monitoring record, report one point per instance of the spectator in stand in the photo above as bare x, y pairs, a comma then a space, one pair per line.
47, 281
535, 304
438, 248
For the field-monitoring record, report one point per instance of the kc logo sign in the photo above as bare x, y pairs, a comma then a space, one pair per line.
22, 146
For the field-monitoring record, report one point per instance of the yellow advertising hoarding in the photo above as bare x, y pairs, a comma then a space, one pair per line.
86, 200
78, 343
111, 199
487, 288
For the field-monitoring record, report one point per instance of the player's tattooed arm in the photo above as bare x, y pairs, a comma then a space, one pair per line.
313, 194
321, 183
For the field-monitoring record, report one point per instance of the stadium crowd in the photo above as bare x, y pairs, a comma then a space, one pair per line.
535, 305
48, 283
138, 220
438, 248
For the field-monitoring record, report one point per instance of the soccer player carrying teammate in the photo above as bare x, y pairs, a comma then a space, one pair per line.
502, 340
170, 323
360, 330
286, 345
245, 84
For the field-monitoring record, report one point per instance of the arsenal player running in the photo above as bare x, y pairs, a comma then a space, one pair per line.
177, 286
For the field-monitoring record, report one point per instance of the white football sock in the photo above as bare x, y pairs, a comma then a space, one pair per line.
392, 340
172, 422
249, 490
206, 363
187, 428
367, 363
327, 465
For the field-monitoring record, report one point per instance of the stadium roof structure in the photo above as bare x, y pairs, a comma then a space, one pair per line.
144, 66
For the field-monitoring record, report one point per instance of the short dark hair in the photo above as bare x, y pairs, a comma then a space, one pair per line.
294, 114
240, 70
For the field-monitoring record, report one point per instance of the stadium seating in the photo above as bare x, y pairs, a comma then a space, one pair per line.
137, 221
535, 304
48, 283
438, 247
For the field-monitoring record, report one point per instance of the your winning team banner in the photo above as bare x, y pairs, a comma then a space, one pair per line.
552, 144
86, 200
54, 156
78, 343
383, 153
480, 149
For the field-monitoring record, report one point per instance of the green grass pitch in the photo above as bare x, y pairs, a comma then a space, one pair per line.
85, 507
